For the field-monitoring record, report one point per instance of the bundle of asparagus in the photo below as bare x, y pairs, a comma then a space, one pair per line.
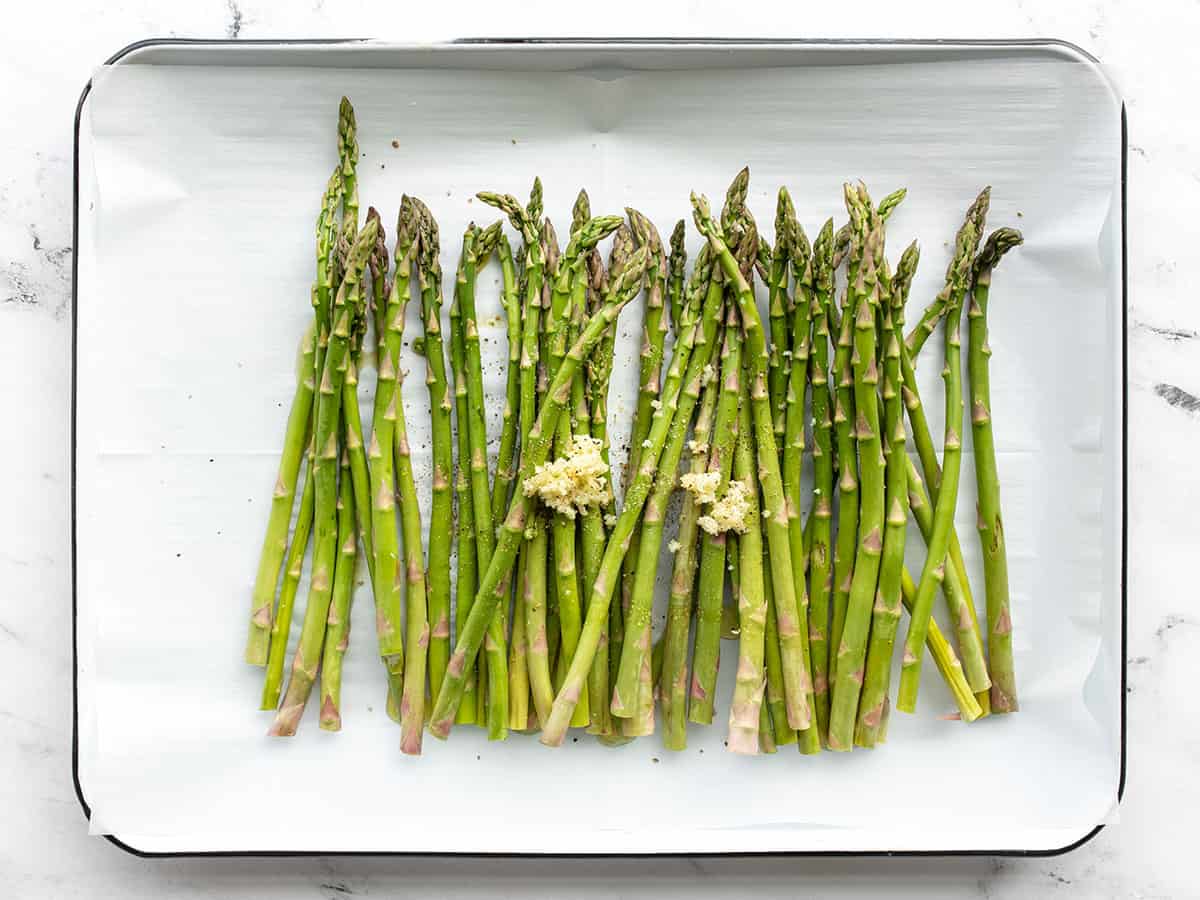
548, 624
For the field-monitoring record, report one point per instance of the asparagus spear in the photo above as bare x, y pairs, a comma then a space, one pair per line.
387, 579
622, 288
441, 509
947, 497
777, 303
416, 625
599, 367
468, 565
478, 245
820, 562
595, 383
325, 463
518, 656
674, 684
991, 528
299, 426
793, 627
359, 475
746, 709
800, 254
847, 459
886, 615
337, 627
506, 458
282, 623
851, 649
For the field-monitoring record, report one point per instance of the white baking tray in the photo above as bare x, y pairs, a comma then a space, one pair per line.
199, 170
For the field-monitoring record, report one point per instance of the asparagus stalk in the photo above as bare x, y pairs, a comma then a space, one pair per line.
638, 587
820, 521
299, 426
597, 371
337, 626
622, 247
947, 497
441, 511
282, 624
622, 288
478, 245
847, 460
566, 582
325, 464
851, 649
360, 477
468, 566
506, 457
991, 527
282, 500
417, 631
746, 709
800, 254
599, 367
777, 305
674, 684
886, 615
387, 579
790, 616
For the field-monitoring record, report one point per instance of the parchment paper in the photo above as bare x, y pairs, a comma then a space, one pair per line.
200, 186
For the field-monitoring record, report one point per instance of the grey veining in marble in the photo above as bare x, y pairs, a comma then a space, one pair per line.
47, 50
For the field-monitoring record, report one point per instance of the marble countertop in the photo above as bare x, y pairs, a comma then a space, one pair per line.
48, 51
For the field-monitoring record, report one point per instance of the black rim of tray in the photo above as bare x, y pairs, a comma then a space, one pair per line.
667, 41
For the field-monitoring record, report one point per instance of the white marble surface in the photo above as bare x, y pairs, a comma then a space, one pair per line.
47, 50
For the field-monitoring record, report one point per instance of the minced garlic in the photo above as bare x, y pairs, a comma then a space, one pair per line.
574, 481
703, 485
730, 512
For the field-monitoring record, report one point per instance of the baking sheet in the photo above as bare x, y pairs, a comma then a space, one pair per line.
199, 186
